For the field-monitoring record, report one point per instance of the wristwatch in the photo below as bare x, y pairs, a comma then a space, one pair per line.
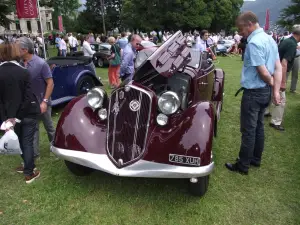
45, 100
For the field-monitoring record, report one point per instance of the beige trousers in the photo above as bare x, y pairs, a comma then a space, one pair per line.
277, 112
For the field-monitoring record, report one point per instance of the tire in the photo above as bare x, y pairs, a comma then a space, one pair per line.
84, 84
100, 62
200, 188
78, 170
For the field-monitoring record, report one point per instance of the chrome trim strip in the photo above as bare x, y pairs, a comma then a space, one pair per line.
140, 168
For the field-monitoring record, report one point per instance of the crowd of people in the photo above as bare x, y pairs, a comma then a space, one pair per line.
26, 82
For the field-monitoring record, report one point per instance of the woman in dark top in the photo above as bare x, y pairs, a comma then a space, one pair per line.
114, 63
18, 104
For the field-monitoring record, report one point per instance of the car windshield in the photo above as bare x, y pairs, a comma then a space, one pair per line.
105, 47
147, 44
142, 56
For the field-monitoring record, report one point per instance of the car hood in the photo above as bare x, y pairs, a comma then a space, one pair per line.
170, 57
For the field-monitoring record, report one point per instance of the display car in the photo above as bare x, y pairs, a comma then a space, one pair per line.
159, 125
100, 56
72, 76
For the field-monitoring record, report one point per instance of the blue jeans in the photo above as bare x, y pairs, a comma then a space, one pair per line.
253, 106
25, 132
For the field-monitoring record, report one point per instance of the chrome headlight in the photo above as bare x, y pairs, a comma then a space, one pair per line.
168, 103
95, 97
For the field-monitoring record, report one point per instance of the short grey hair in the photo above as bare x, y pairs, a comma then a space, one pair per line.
26, 43
296, 29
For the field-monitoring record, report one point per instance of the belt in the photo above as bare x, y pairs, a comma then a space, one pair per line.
241, 89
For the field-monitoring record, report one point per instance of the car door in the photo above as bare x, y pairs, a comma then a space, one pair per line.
59, 75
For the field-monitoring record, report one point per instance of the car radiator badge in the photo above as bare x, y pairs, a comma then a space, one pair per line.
134, 105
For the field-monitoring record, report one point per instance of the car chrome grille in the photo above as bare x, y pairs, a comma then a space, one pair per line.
128, 121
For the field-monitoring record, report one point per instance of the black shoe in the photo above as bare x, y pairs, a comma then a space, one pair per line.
268, 115
236, 168
255, 164
277, 127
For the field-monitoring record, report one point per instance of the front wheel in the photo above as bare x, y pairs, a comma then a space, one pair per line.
100, 62
84, 84
78, 170
200, 187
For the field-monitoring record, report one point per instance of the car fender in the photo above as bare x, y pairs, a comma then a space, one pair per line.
79, 128
219, 85
189, 133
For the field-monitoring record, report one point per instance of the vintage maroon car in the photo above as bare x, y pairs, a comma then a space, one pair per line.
159, 125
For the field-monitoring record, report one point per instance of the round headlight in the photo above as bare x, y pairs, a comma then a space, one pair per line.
95, 97
161, 119
102, 113
168, 102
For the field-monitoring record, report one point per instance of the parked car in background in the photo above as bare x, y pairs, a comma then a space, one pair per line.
159, 125
225, 46
100, 57
72, 76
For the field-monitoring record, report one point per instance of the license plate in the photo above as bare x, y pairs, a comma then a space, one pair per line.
182, 159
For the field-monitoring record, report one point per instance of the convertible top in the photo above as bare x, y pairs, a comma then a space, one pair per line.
69, 60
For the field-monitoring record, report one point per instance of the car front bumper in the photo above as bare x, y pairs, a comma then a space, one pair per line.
140, 168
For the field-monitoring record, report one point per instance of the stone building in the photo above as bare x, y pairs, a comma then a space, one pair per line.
29, 26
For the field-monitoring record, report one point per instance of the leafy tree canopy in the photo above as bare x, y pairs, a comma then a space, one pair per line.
6, 7
290, 15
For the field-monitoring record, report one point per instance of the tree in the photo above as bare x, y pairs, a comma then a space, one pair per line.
6, 8
180, 14
62, 7
112, 9
290, 15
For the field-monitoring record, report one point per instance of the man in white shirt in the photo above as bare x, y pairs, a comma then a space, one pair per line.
201, 41
63, 47
237, 39
73, 43
86, 48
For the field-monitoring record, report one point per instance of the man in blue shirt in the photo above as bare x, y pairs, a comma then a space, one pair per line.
123, 41
57, 41
261, 71
129, 53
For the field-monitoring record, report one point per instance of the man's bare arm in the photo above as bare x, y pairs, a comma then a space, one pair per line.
264, 74
277, 76
284, 65
49, 88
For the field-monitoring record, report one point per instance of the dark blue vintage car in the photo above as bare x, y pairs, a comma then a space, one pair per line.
72, 76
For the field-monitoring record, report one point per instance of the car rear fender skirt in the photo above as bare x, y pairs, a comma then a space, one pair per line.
219, 85
189, 133
79, 128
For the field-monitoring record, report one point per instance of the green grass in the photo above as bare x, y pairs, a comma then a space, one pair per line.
268, 195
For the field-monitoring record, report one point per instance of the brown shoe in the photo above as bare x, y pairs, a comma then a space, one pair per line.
20, 169
30, 179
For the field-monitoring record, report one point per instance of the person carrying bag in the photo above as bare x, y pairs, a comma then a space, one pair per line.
114, 63
19, 108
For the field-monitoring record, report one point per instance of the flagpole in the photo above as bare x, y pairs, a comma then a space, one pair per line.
42, 31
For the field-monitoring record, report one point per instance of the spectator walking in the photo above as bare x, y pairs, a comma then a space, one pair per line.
261, 70
57, 41
86, 48
42, 87
287, 53
128, 56
114, 63
63, 47
73, 43
18, 105
123, 41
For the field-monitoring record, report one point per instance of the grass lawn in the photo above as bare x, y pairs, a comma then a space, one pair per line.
268, 195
